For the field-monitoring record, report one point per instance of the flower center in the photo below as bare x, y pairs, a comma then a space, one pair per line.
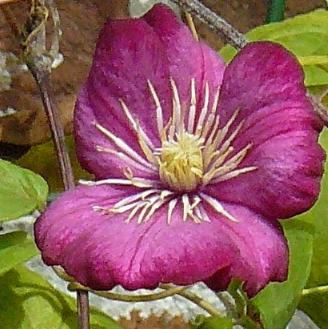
181, 162
196, 151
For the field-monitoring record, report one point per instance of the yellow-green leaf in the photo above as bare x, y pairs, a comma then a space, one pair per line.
27, 301
21, 191
15, 248
304, 35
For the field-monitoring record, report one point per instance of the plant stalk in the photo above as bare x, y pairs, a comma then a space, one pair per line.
315, 290
41, 77
73, 286
210, 309
276, 11
214, 21
58, 136
83, 309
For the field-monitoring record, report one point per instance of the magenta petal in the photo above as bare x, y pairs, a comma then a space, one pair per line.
262, 251
187, 58
88, 138
102, 251
265, 82
130, 52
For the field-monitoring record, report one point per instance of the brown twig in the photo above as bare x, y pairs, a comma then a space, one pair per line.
214, 21
319, 108
41, 76
83, 309
58, 136
3, 2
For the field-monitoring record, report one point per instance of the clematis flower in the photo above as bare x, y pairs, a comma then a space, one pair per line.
194, 162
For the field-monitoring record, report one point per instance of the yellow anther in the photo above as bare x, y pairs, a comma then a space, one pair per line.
181, 162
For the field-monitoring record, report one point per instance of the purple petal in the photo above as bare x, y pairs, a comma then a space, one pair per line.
101, 251
262, 251
187, 58
265, 82
128, 53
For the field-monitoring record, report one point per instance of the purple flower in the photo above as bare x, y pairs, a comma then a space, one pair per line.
194, 162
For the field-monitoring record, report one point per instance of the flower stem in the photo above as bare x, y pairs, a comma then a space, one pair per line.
41, 76
129, 298
315, 290
169, 290
83, 309
214, 21
276, 11
58, 136
195, 299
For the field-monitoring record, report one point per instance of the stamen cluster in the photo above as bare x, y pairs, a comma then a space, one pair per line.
194, 153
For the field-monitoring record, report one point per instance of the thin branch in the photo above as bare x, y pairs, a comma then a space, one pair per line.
3, 2
196, 300
129, 298
214, 21
169, 290
58, 136
315, 290
319, 108
41, 76
83, 311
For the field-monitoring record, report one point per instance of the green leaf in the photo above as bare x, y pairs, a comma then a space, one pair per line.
316, 303
21, 191
214, 322
27, 301
277, 302
318, 215
304, 35
48, 167
15, 248
10, 239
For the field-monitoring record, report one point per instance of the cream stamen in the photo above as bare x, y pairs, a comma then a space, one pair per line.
123, 146
159, 110
192, 109
189, 158
199, 126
